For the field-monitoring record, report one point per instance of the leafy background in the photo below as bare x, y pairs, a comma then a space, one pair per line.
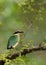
29, 16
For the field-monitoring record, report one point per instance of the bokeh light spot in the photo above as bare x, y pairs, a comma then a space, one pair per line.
0, 23
32, 0
41, 18
32, 9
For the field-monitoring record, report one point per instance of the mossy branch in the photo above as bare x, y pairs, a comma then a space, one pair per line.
24, 52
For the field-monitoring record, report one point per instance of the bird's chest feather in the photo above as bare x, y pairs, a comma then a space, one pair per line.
16, 42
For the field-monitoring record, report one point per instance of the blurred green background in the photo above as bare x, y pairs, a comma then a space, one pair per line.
28, 16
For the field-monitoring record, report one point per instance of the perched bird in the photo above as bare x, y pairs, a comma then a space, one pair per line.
14, 40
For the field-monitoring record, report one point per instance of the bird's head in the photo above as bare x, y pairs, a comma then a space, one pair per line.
18, 32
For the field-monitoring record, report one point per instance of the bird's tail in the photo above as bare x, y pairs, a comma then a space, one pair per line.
9, 47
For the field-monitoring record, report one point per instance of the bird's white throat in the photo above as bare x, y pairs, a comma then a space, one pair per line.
18, 35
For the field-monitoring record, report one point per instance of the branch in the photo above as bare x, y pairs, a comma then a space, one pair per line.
24, 52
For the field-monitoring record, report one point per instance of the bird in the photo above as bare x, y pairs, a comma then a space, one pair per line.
14, 40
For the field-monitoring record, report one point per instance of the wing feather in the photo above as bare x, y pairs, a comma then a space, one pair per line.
12, 41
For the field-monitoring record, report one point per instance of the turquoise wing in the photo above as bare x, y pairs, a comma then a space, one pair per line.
12, 41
